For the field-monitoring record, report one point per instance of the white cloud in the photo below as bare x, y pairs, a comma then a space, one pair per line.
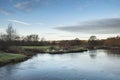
28, 5
24, 6
20, 22
4, 11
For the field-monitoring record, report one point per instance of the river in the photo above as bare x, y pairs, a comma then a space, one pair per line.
89, 65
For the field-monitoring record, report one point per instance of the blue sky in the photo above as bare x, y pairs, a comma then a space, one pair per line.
62, 19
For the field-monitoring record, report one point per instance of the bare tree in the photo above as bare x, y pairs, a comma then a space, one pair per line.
3, 37
42, 39
32, 37
11, 33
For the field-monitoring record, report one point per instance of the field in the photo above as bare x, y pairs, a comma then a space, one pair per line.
36, 47
9, 57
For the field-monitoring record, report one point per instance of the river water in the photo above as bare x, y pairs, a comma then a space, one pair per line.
89, 65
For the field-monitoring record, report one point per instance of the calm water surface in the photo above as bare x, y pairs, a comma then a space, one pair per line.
90, 65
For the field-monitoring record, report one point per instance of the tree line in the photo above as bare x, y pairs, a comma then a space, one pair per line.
113, 42
11, 38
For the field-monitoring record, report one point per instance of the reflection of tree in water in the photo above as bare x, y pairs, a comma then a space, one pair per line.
113, 53
93, 54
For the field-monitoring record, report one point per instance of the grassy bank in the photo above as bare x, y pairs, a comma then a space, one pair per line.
68, 51
44, 48
57, 49
38, 49
6, 58
26, 52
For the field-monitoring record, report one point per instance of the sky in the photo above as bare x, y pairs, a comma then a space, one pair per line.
62, 19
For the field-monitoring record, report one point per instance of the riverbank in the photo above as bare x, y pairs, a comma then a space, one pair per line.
67, 51
7, 58
17, 54
55, 50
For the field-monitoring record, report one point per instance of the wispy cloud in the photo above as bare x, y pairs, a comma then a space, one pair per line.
4, 11
10, 6
20, 22
24, 6
29, 5
100, 26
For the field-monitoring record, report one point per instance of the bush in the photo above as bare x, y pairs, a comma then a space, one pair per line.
15, 49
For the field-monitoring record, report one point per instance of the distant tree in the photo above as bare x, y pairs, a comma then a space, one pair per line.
42, 39
114, 41
11, 33
77, 39
32, 37
3, 37
75, 42
92, 42
92, 38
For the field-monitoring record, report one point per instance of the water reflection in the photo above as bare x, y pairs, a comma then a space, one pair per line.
93, 54
113, 53
90, 65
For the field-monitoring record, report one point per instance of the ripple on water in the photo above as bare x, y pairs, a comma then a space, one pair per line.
90, 65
